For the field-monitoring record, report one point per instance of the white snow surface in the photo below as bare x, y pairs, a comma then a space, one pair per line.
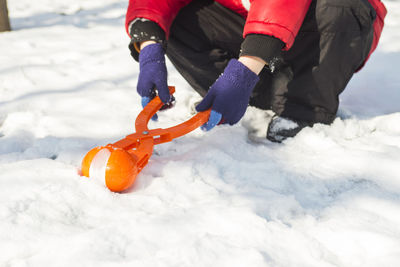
328, 197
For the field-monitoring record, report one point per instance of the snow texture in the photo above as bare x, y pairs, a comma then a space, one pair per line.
228, 197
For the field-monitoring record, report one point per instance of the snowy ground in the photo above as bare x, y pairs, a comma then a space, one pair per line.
329, 197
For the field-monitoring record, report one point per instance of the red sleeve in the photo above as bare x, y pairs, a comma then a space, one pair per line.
281, 19
163, 12
379, 22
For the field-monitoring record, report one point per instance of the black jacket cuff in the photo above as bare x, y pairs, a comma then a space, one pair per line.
263, 46
144, 30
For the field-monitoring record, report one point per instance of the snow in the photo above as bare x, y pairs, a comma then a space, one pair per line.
328, 197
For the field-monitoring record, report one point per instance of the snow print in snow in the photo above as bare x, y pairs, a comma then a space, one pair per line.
328, 197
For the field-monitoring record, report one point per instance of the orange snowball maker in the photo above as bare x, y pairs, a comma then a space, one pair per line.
118, 164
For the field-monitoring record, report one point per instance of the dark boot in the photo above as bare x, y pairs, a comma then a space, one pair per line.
281, 128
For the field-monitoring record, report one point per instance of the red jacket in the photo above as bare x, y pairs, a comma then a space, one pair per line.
281, 19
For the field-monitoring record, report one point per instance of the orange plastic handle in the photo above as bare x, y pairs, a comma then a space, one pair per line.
140, 144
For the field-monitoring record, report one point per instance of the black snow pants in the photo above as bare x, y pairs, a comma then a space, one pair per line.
333, 42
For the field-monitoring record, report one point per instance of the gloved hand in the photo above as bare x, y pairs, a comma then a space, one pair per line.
153, 75
229, 96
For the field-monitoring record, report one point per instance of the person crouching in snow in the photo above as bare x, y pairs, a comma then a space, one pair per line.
292, 56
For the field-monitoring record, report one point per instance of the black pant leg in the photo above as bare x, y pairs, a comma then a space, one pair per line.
333, 42
204, 37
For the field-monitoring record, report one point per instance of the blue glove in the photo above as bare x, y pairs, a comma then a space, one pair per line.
153, 74
229, 96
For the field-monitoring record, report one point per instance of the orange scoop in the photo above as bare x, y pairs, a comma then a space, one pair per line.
118, 164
